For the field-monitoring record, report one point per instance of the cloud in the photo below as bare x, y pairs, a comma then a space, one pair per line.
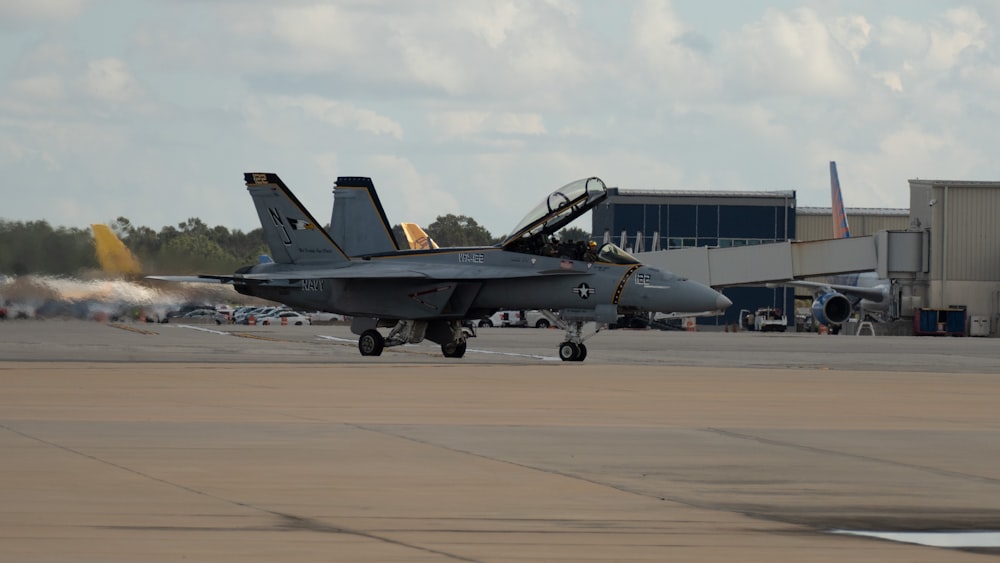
484, 107
789, 54
409, 195
468, 124
109, 80
338, 114
673, 57
15, 14
960, 33
44, 88
853, 33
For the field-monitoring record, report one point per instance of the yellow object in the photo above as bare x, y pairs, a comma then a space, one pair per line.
113, 255
417, 238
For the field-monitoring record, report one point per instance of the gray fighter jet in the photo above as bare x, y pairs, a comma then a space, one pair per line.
426, 294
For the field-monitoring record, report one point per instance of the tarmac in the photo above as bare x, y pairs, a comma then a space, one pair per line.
145, 442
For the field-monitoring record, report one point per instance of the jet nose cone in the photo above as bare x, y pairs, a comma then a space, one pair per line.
721, 302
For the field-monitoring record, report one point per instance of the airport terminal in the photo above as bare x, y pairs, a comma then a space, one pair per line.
942, 254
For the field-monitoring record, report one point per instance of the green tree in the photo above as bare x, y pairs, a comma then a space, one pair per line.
458, 230
34, 247
573, 233
196, 253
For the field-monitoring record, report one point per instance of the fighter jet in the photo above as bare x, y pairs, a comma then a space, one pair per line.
426, 294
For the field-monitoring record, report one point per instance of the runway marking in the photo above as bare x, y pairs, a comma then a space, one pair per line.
203, 329
335, 338
237, 334
133, 329
951, 538
256, 337
474, 350
495, 353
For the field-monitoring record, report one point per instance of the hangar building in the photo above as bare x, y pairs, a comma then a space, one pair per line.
960, 219
942, 254
650, 220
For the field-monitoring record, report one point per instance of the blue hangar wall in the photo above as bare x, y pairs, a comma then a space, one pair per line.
660, 220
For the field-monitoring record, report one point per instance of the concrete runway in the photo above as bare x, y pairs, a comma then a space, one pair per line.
170, 443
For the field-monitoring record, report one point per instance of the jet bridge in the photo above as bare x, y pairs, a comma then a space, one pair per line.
892, 254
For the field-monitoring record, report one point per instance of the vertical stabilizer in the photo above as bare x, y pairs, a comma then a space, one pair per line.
290, 231
417, 238
112, 254
840, 227
358, 222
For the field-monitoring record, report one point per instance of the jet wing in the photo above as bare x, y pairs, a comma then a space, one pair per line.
381, 270
869, 293
194, 279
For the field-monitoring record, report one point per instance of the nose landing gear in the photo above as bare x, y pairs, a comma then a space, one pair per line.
572, 349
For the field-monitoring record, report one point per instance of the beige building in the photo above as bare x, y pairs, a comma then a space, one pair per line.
816, 223
962, 222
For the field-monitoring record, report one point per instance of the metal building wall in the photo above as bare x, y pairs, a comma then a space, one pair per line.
812, 224
972, 233
964, 237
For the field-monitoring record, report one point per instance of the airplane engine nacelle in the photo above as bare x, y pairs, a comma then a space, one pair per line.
831, 308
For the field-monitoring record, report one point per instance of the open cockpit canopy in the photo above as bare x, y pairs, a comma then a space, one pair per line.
559, 209
614, 254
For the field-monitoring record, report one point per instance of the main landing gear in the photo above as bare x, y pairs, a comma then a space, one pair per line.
447, 333
572, 352
371, 343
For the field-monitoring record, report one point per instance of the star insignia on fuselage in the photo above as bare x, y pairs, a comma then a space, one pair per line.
584, 291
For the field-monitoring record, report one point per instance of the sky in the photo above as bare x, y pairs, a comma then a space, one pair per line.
153, 109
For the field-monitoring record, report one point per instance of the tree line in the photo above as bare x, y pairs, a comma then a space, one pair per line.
36, 247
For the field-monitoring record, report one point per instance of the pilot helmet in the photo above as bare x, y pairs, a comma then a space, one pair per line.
593, 244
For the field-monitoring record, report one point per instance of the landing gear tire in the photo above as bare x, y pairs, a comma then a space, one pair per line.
572, 352
371, 343
453, 350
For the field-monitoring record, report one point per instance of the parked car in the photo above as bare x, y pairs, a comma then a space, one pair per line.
324, 317
258, 313
285, 317
530, 318
205, 315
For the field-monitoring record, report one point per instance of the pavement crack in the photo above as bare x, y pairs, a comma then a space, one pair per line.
859, 457
290, 521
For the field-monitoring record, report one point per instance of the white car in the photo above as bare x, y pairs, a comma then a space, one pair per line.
242, 316
285, 318
204, 315
516, 318
324, 317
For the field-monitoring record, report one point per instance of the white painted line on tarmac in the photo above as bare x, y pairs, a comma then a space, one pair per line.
201, 328
335, 338
533, 356
953, 539
475, 350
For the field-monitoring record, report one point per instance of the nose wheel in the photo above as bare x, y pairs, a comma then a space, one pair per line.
572, 352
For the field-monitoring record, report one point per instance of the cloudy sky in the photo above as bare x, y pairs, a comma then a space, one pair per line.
153, 109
